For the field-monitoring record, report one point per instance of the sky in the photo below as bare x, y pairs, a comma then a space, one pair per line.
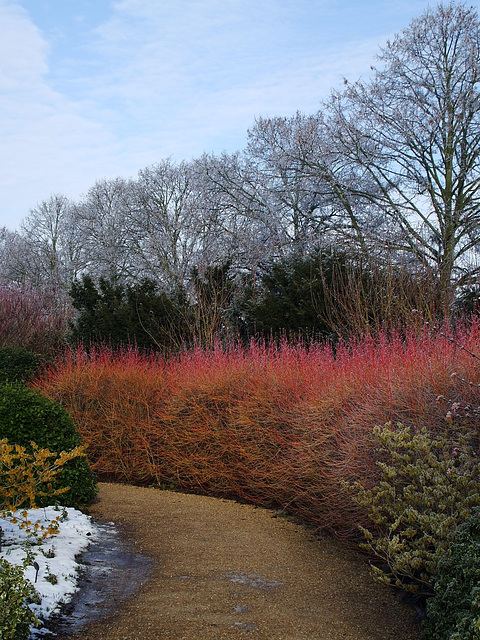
99, 89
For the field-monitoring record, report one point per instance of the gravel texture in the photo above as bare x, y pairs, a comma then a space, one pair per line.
228, 570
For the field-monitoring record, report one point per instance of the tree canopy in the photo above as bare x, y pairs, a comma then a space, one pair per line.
388, 169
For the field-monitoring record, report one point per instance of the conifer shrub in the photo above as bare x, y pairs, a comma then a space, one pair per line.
332, 292
25, 416
120, 315
427, 487
18, 364
16, 592
454, 612
290, 297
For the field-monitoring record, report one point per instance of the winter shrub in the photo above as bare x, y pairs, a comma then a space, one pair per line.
17, 364
454, 612
25, 477
26, 416
208, 420
282, 425
32, 319
428, 485
15, 594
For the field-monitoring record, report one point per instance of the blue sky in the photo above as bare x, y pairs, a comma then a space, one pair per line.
93, 89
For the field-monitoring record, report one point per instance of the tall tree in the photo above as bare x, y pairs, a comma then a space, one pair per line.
13, 249
310, 189
414, 130
282, 150
250, 222
53, 253
168, 226
104, 229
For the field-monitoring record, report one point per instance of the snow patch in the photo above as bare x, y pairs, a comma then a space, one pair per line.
55, 575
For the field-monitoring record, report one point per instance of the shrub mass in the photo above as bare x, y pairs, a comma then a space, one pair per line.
428, 486
454, 612
16, 593
25, 416
280, 425
18, 364
32, 319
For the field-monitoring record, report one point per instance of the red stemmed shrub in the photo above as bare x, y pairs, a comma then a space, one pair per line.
282, 426
32, 319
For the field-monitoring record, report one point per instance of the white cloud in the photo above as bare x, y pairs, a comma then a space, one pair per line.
193, 72
47, 143
135, 81
22, 49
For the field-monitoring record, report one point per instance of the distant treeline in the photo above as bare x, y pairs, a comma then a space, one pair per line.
359, 215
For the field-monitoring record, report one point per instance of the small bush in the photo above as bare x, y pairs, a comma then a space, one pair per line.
32, 319
428, 486
454, 611
21, 474
26, 416
18, 365
15, 594
24, 478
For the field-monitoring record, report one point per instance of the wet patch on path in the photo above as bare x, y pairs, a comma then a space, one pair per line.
255, 580
112, 572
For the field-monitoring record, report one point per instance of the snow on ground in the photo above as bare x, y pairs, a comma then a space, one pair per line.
56, 580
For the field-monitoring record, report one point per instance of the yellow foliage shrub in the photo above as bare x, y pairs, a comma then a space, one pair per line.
428, 486
26, 476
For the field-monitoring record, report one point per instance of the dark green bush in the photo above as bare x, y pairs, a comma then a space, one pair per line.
26, 416
330, 292
120, 314
454, 612
15, 593
19, 365
289, 299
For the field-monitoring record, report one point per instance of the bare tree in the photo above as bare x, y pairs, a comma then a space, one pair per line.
282, 151
50, 254
169, 229
13, 267
236, 203
414, 131
311, 189
103, 220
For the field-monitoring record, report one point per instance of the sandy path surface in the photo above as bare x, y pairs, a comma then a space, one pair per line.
227, 570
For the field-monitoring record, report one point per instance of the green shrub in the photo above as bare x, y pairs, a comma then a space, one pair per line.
15, 594
120, 314
26, 416
428, 486
331, 292
454, 611
18, 365
290, 298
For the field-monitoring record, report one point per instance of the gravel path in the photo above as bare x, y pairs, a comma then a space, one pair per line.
227, 570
